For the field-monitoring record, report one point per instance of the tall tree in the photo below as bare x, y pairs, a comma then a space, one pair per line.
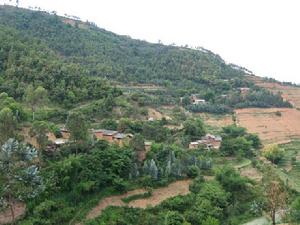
78, 128
20, 179
275, 194
35, 98
39, 130
194, 128
8, 125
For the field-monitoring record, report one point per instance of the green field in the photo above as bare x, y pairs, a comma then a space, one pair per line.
289, 167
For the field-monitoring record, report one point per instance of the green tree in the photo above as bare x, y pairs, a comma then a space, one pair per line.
173, 218
295, 211
78, 128
109, 124
8, 125
138, 142
236, 146
273, 153
233, 131
20, 179
194, 128
40, 130
35, 98
233, 183
211, 221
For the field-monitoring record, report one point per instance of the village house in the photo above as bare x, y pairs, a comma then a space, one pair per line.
244, 90
196, 100
55, 142
209, 141
112, 136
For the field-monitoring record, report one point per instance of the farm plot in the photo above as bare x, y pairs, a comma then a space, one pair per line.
275, 125
289, 167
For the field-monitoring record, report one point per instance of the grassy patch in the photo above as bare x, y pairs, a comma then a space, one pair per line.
131, 198
289, 167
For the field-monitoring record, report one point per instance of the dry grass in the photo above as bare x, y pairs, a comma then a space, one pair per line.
251, 173
216, 120
270, 127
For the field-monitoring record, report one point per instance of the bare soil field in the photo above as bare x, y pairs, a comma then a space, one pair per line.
271, 127
216, 120
157, 115
158, 195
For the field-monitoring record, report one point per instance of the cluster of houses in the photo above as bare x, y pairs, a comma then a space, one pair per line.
112, 136
109, 135
209, 141
195, 99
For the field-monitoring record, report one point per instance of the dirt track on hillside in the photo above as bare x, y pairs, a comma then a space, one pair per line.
270, 127
158, 195
5, 216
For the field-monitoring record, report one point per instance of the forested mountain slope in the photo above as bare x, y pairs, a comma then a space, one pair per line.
66, 57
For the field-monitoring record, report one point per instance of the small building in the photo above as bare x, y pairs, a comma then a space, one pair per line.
196, 100
121, 139
60, 141
244, 90
199, 101
103, 134
209, 141
112, 136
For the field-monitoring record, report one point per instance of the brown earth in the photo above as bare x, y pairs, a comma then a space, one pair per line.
27, 138
156, 115
158, 195
216, 121
19, 209
270, 127
251, 173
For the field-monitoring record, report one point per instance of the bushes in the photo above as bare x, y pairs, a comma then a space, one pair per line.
273, 153
209, 108
147, 194
295, 211
237, 142
51, 212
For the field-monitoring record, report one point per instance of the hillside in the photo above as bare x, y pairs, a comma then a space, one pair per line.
79, 53
98, 128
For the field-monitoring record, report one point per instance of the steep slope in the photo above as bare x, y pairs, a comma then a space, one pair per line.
68, 57
114, 56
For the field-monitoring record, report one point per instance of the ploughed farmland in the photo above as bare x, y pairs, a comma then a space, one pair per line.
275, 125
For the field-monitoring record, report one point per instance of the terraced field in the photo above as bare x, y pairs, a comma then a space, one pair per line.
273, 125
289, 167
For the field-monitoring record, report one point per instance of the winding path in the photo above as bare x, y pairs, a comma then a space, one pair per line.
158, 195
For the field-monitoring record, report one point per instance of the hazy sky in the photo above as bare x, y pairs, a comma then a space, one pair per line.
261, 35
